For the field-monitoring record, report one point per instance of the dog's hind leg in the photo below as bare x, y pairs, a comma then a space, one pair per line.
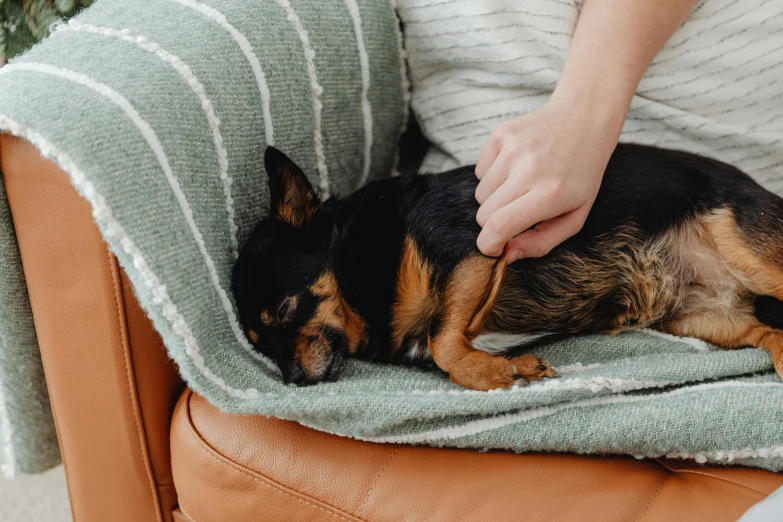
731, 331
753, 253
772, 340
469, 296
752, 248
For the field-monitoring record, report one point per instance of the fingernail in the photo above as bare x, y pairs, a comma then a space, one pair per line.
514, 255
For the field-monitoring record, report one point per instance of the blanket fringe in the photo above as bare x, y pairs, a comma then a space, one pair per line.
8, 460
103, 216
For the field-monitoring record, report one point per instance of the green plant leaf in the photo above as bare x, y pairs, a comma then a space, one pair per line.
25, 22
65, 6
2, 44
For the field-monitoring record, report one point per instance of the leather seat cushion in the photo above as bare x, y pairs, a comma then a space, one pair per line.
243, 468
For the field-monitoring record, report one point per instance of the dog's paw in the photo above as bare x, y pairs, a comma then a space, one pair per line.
481, 371
528, 368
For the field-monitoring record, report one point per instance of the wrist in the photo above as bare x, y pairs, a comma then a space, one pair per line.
599, 117
596, 92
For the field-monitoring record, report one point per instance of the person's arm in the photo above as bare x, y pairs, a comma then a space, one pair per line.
544, 168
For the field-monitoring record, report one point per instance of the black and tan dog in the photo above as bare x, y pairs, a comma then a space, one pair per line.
676, 242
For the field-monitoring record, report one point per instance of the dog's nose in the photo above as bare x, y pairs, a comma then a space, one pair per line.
297, 375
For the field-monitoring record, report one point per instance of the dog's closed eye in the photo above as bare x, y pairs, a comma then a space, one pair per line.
285, 311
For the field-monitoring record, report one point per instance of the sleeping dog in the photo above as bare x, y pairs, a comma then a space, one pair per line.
675, 242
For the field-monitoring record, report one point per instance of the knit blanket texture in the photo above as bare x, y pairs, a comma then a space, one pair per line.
159, 112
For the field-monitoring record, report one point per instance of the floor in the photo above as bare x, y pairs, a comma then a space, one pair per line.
42, 498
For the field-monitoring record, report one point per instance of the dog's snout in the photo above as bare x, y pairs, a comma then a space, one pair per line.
296, 375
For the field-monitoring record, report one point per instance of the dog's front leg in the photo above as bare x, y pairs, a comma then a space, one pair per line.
477, 370
470, 294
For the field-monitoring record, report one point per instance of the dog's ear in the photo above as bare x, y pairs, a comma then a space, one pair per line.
291, 196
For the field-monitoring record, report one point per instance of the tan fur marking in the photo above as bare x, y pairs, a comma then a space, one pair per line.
737, 330
312, 348
466, 297
758, 275
772, 340
265, 317
496, 281
325, 285
355, 329
312, 354
252, 335
415, 302
727, 330
719, 309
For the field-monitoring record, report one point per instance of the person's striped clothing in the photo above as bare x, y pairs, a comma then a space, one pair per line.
715, 89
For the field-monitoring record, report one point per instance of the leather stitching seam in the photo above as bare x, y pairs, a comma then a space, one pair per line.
377, 478
182, 509
270, 486
654, 497
125, 353
237, 469
703, 474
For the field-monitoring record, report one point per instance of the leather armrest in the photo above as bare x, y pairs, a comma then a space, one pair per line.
112, 386
244, 468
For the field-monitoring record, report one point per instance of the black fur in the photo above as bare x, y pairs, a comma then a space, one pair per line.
769, 311
645, 189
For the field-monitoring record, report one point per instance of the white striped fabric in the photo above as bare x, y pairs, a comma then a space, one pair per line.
364, 62
8, 460
316, 90
247, 49
104, 216
148, 133
499, 421
406, 84
715, 89
206, 105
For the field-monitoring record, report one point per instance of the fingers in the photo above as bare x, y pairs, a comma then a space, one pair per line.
494, 178
512, 219
489, 152
539, 241
501, 196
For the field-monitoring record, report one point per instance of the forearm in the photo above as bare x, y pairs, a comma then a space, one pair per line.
613, 44
540, 172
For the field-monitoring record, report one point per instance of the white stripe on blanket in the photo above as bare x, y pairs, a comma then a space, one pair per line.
198, 89
316, 90
493, 423
8, 462
247, 49
106, 220
157, 149
364, 62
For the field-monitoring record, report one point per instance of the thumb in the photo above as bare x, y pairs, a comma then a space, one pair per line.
543, 237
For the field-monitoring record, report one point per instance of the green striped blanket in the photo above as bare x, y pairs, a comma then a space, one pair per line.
159, 112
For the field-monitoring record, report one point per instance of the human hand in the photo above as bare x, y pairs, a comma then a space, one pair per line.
539, 175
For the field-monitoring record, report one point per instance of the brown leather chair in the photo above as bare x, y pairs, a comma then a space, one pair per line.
139, 447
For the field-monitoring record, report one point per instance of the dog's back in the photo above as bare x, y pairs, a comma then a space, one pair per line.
674, 241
